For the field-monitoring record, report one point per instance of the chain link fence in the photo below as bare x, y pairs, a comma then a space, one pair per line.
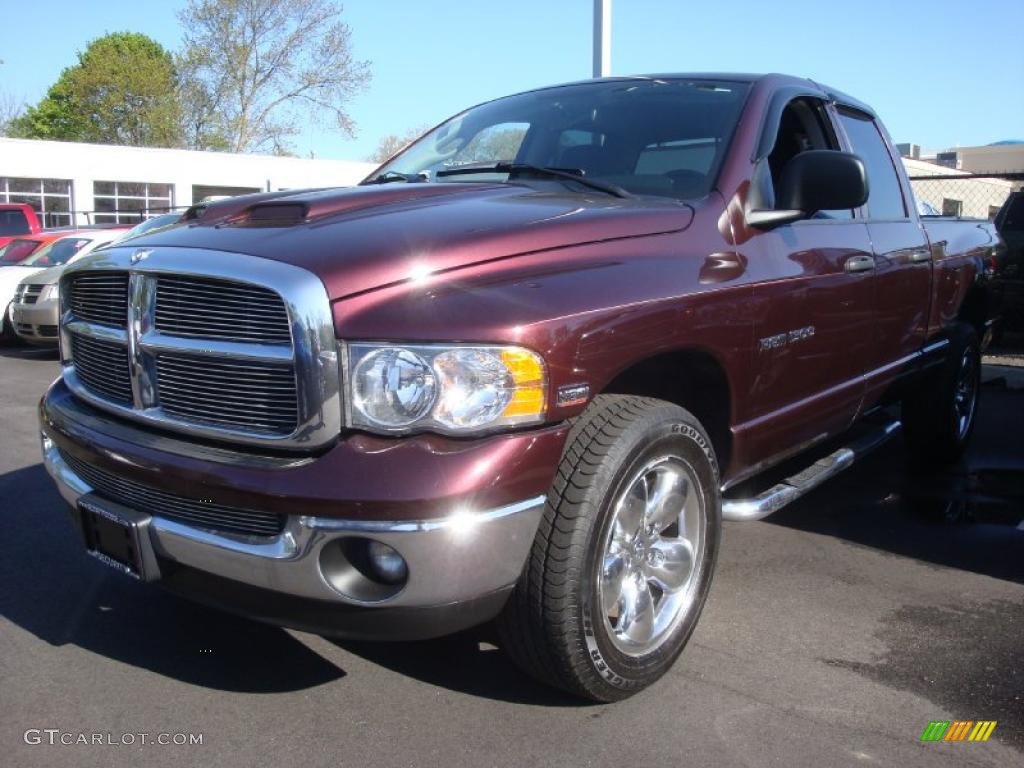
971, 195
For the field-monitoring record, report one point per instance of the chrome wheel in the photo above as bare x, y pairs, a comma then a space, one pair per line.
653, 550
966, 393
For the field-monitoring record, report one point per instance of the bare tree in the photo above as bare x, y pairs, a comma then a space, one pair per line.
11, 108
253, 72
391, 144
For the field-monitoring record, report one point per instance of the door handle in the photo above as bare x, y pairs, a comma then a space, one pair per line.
916, 257
859, 263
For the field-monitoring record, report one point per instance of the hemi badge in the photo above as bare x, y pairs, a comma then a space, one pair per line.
572, 394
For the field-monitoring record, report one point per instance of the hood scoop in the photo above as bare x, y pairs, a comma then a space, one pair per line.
271, 214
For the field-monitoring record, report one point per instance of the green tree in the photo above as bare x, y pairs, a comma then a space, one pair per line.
121, 91
254, 72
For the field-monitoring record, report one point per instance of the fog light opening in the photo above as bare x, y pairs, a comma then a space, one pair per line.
386, 564
365, 570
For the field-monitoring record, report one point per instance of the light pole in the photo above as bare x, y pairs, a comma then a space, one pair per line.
602, 38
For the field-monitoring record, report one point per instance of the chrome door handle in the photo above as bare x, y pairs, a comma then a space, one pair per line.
916, 257
859, 263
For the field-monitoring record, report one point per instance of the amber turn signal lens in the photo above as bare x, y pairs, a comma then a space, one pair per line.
527, 371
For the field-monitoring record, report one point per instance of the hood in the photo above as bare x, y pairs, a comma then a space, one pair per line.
364, 238
48, 275
10, 276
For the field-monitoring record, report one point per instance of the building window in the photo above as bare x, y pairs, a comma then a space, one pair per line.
202, 192
129, 202
952, 207
49, 198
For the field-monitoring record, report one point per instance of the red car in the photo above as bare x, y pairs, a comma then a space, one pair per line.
16, 220
523, 372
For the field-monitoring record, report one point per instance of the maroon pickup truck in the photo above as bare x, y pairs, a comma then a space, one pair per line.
522, 372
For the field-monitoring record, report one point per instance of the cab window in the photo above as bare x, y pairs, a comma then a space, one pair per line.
885, 198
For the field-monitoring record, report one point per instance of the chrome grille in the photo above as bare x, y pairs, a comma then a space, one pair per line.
236, 394
102, 366
27, 294
214, 348
201, 513
101, 297
217, 309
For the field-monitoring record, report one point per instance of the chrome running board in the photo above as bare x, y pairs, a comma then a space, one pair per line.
795, 486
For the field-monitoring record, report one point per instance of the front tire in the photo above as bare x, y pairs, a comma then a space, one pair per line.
7, 334
622, 562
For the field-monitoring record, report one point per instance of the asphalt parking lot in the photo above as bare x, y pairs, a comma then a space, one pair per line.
836, 630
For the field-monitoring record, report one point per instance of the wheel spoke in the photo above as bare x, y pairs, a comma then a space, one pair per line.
630, 514
637, 620
652, 548
613, 576
669, 563
666, 501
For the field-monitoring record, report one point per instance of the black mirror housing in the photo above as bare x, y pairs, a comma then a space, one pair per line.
822, 180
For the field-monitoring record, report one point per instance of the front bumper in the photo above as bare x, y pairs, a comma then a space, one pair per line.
451, 559
36, 323
461, 564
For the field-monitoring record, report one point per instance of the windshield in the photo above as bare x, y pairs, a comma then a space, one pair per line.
57, 252
149, 225
17, 251
648, 137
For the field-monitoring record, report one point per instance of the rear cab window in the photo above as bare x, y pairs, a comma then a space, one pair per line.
14, 223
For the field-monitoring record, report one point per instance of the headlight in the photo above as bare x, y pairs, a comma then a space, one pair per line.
451, 389
50, 292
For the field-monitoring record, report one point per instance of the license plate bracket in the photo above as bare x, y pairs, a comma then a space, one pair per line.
118, 536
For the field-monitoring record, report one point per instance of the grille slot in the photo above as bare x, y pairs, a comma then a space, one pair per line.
100, 298
214, 517
218, 309
102, 366
27, 294
246, 395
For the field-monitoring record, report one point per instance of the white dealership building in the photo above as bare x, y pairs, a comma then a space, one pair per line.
73, 183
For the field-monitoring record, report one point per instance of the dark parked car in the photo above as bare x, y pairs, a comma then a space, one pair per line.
522, 372
1010, 225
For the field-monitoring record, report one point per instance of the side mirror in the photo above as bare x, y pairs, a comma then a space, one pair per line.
812, 181
823, 180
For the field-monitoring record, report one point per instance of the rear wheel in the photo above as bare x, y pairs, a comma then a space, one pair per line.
939, 418
622, 561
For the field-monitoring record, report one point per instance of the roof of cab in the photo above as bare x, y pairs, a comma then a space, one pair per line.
772, 79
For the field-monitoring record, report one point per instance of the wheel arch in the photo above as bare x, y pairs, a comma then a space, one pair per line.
692, 378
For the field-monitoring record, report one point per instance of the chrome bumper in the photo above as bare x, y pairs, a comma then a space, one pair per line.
466, 555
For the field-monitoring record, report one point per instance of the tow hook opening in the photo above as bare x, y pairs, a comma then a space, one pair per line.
363, 569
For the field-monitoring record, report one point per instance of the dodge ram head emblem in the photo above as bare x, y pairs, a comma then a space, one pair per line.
140, 254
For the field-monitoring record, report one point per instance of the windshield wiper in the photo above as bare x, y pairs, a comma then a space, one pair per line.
525, 169
388, 176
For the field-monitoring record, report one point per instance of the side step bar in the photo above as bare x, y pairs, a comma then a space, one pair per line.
795, 486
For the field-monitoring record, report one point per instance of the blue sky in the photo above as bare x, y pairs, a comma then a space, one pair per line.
940, 73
